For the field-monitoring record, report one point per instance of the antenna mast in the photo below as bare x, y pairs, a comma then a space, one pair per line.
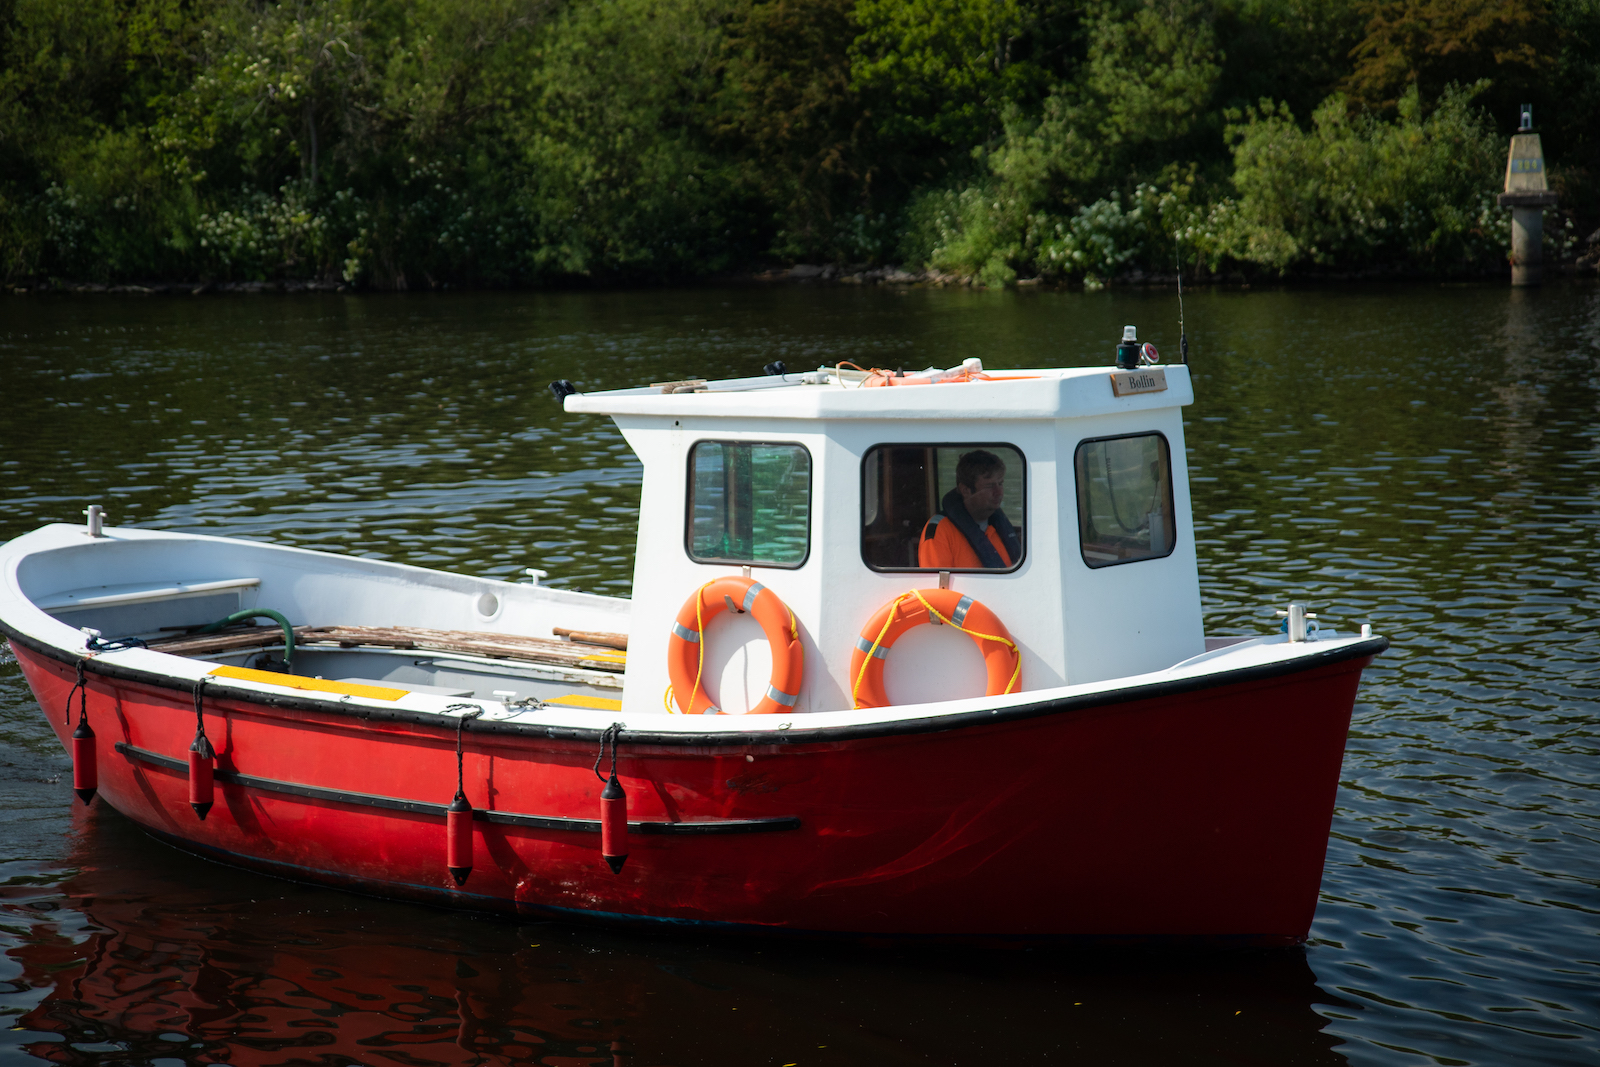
1183, 338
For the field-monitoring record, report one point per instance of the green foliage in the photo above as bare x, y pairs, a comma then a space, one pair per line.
1144, 92
953, 66
1570, 103
397, 143
1428, 44
787, 112
980, 231
619, 176
278, 83
1296, 51
81, 189
970, 231
1158, 225
118, 215
1355, 190
1042, 206
266, 237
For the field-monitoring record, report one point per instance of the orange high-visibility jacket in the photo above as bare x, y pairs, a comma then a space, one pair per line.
944, 547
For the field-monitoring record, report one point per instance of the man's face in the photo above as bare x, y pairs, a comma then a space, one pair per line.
986, 495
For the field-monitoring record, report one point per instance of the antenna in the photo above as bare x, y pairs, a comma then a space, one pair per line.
1183, 338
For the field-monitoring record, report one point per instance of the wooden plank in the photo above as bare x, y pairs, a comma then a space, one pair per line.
230, 639
466, 642
592, 637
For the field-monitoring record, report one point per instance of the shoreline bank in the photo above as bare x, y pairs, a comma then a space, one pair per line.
1586, 266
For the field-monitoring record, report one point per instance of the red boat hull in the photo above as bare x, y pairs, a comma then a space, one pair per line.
1198, 813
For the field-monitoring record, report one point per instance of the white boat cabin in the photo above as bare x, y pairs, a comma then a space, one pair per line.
832, 493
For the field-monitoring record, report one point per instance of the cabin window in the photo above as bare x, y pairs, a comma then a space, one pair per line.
1125, 499
749, 503
917, 515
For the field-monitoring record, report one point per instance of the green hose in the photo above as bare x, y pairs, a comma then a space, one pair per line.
259, 613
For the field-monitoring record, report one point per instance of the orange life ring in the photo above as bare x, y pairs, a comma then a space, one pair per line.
686, 649
1000, 656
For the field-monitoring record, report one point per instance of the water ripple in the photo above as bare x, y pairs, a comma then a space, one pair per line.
1420, 458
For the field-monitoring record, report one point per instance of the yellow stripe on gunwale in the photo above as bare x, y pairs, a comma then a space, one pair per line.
579, 700
317, 685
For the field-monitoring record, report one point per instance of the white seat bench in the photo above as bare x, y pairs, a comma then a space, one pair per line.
103, 596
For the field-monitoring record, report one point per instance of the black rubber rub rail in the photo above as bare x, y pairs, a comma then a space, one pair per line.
506, 818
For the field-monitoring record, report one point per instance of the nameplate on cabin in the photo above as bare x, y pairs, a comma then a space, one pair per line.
1129, 382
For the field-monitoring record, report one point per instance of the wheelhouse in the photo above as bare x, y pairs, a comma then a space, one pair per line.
828, 492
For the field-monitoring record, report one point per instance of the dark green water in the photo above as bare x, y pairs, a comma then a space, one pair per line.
1424, 458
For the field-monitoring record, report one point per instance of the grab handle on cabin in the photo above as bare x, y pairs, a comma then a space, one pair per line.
258, 613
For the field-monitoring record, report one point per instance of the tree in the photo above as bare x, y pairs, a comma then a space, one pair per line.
1142, 94
1295, 51
617, 169
1433, 43
953, 66
82, 191
287, 77
786, 107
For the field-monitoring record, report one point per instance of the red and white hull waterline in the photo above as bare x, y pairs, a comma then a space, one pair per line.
1192, 803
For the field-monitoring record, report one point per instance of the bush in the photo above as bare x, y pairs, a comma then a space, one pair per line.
1104, 239
990, 234
263, 237
974, 231
1353, 191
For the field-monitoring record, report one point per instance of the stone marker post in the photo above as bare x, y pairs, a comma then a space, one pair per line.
1527, 195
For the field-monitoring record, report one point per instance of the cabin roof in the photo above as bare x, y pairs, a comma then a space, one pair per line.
1058, 393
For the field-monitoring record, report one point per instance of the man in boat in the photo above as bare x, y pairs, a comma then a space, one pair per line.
970, 532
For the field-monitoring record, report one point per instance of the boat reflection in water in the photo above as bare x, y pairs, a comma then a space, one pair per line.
177, 964
154, 956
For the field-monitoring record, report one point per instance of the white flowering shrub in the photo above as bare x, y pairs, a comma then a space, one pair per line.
988, 233
263, 236
1098, 242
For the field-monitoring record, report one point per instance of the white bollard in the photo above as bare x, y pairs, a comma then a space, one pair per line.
1296, 626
